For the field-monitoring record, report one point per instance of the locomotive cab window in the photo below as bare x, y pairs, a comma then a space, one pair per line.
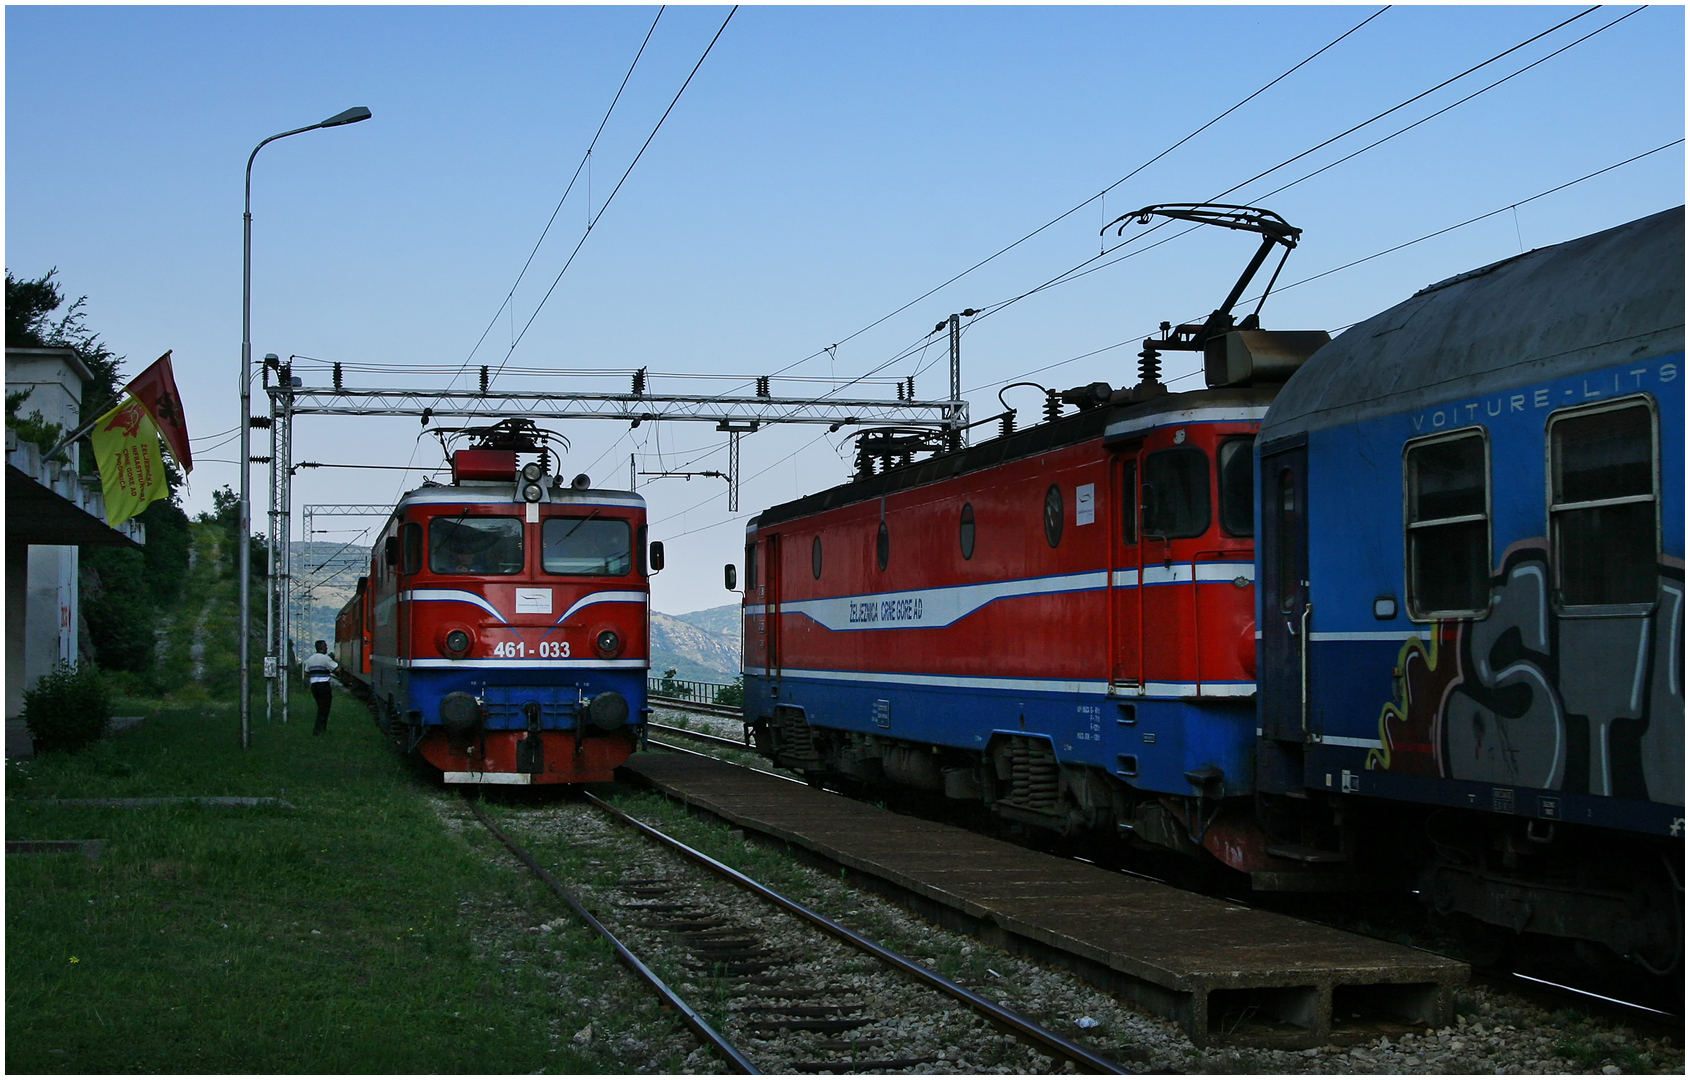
1175, 494
410, 547
586, 545
1237, 486
1446, 517
475, 545
1604, 505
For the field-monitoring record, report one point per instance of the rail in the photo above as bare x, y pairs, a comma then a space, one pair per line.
693, 1019
730, 712
701, 736
1048, 1041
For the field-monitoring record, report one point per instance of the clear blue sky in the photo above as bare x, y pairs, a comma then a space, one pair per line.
826, 166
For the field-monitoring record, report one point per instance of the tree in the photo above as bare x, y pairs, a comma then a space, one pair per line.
29, 305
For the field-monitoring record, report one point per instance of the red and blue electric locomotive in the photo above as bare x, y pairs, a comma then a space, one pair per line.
1058, 622
503, 628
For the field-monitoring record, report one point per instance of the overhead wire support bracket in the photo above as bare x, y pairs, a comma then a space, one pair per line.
544, 405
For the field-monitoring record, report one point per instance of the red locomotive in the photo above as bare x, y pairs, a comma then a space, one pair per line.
503, 628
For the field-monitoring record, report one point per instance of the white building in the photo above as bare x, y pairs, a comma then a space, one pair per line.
50, 511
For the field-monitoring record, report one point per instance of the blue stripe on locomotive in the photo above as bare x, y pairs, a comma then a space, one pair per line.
1164, 738
505, 690
1355, 530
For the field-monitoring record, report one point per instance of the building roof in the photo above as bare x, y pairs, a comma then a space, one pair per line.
48, 503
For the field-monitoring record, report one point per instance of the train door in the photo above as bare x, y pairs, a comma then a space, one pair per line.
752, 619
1126, 600
1284, 595
772, 574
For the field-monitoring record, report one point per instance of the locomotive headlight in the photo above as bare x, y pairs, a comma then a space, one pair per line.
532, 492
456, 641
532, 472
609, 643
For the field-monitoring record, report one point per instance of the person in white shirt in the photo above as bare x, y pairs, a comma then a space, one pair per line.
318, 667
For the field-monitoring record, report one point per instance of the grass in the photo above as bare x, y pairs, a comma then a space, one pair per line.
351, 933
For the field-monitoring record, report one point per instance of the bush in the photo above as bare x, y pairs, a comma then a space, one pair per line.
67, 708
732, 695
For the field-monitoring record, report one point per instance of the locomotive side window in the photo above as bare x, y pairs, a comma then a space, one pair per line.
1447, 519
1129, 501
882, 546
475, 545
1053, 515
1176, 493
816, 557
586, 545
1604, 505
410, 547
1237, 485
965, 531
751, 565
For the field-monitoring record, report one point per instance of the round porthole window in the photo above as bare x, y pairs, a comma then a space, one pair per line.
816, 558
1053, 515
965, 531
882, 546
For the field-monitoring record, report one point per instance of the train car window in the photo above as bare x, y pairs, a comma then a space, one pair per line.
751, 565
882, 546
1129, 501
1289, 540
1604, 505
475, 545
1238, 490
1447, 519
965, 531
586, 545
1176, 493
410, 548
1053, 515
816, 558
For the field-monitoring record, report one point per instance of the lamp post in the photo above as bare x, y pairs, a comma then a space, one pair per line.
244, 558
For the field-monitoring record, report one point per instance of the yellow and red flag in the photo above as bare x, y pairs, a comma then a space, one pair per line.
126, 447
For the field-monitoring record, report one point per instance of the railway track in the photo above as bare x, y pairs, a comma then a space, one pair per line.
701, 736
730, 712
791, 990
1549, 995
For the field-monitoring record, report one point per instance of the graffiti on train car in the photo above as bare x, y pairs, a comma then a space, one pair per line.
1535, 698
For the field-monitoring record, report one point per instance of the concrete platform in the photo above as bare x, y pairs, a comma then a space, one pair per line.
1224, 972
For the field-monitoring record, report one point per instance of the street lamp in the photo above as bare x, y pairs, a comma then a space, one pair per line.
350, 116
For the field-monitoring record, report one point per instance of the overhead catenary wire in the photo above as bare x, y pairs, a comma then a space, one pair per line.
1364, 259
612, 196
1090, 199
1086, 267
1135, 339
585, 157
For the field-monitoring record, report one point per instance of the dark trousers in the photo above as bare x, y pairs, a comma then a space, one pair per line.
324, 693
